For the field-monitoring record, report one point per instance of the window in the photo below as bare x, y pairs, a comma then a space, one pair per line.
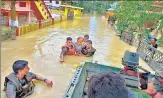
22, 4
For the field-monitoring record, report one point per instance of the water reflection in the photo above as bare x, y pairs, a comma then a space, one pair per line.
93, 28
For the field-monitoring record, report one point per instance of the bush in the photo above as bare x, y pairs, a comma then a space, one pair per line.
160, 41
5, 33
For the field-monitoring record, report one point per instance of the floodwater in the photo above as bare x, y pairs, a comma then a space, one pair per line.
42, 49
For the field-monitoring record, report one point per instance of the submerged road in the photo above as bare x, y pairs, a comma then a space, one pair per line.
42, 49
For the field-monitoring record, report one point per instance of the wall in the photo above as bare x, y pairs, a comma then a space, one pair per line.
23, 8
8, 5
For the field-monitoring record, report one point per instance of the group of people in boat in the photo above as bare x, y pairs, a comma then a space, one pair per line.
82, 46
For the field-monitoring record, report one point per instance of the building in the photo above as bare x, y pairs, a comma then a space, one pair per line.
25, 11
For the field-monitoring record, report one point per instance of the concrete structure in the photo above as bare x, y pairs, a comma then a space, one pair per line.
72, 11
24, 9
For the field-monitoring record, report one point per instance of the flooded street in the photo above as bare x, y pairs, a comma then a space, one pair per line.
42, 49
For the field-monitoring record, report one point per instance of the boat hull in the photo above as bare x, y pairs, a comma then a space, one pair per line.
78, 85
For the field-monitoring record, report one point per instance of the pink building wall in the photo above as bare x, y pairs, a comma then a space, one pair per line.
23, 9
17, 5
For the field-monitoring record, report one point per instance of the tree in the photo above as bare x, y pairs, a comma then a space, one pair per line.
13, 19
0, 14
134, 14
90, 6
13, 10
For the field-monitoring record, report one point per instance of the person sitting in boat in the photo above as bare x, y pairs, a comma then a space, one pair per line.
151, 88
78, 45
19, 83
88, 50
67, 49
153, 42
108, 85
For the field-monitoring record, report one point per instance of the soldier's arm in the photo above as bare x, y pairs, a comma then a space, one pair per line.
38, 77
63, 52
11, 90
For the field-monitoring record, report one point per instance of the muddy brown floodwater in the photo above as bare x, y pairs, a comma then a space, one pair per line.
42, 49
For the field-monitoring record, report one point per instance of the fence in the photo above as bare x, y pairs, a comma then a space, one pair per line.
152, 56
46, 23
126, 37
131, 39
27, 28
34, 26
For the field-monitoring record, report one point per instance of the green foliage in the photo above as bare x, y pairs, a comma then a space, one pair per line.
112, 18
160, 41
122, 26
90, 6
161, 24
2, 4
5, 30
129, 11
134, 14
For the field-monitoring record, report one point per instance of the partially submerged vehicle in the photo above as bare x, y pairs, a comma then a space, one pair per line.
79, 84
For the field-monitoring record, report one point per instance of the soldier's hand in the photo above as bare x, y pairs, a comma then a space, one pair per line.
61, 61
49, 83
